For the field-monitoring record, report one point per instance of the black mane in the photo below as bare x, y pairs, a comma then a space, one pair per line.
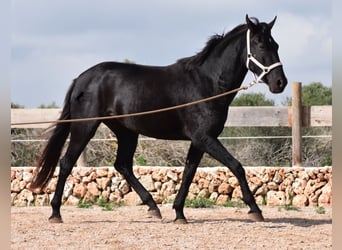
213, 42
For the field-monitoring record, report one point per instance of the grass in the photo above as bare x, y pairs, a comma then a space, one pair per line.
84, 204
234, 203
199, 202
101, 202
320, 210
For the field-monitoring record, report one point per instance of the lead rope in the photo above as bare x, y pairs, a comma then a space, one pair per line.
102, 118
250, 57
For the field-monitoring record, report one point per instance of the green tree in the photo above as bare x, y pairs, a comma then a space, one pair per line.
52, 105
314, 93
16, 106
254, 99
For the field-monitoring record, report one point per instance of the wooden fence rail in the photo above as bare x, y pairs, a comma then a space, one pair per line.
295, 116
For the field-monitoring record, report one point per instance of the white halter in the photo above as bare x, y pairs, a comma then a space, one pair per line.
250, 57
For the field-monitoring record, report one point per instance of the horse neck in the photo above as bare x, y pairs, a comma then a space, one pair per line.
229, 68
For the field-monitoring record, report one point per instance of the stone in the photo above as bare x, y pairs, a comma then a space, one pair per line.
299, 186
277, 178
68, 189
204, 193
237, 193
79, 190
300, 200
194, 189
132, 199
103, 182
325, 199
15, 186
276, 198
213, 185
124, 187
72, 201
42, 200
203, 183
225, 188
24, 198
222, 198
147, 182
213, 196
256, 181
115, 183
27, 176
93, 190
233, 181
272, 186
101, 172
172, 175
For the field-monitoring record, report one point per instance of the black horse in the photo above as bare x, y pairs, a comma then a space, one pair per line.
112, 88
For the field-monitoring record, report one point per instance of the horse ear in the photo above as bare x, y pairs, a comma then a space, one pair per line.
270, 25
250, 24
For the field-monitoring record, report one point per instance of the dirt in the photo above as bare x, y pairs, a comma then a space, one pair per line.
129, 227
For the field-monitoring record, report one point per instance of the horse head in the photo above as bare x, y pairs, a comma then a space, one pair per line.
262, 55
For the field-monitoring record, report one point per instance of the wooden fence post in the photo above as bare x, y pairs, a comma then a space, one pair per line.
296, 124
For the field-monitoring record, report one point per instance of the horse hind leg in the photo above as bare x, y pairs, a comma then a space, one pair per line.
127, 143
80, 135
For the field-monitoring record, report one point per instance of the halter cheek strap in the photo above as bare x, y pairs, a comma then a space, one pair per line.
250, 57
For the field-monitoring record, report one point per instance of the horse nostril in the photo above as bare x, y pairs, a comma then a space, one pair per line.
281, 83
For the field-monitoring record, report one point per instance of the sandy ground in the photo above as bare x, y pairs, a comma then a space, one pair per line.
208, 228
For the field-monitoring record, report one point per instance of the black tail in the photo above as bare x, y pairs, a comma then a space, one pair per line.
49, 158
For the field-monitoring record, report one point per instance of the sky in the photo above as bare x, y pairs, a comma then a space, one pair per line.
54, 41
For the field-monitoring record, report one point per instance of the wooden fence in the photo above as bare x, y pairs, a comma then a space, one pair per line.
295, 116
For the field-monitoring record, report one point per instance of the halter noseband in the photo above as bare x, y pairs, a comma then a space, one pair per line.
265, 69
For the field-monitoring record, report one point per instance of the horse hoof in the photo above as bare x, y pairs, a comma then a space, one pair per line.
256, 216
155, 213
180, 221
55, 220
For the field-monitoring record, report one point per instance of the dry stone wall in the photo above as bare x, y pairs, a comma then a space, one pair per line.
271, 185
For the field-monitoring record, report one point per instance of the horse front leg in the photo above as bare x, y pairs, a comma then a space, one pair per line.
214, 147
193, 159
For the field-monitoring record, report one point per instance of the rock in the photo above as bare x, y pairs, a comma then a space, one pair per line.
194, 189
213, 196
276, 198
237, 194
72, 201
172, 175
103, 182
225, 188
68, 189
101, 172
213, 185
222, 198
299, 186
256, 181
42, 200
147, 182
272, 186
24, 198
79, 190
204, 193
15, 186
93, 190
203, 183
124, 187
325, 199
132, 199
300, 200
233, 181
277, 178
